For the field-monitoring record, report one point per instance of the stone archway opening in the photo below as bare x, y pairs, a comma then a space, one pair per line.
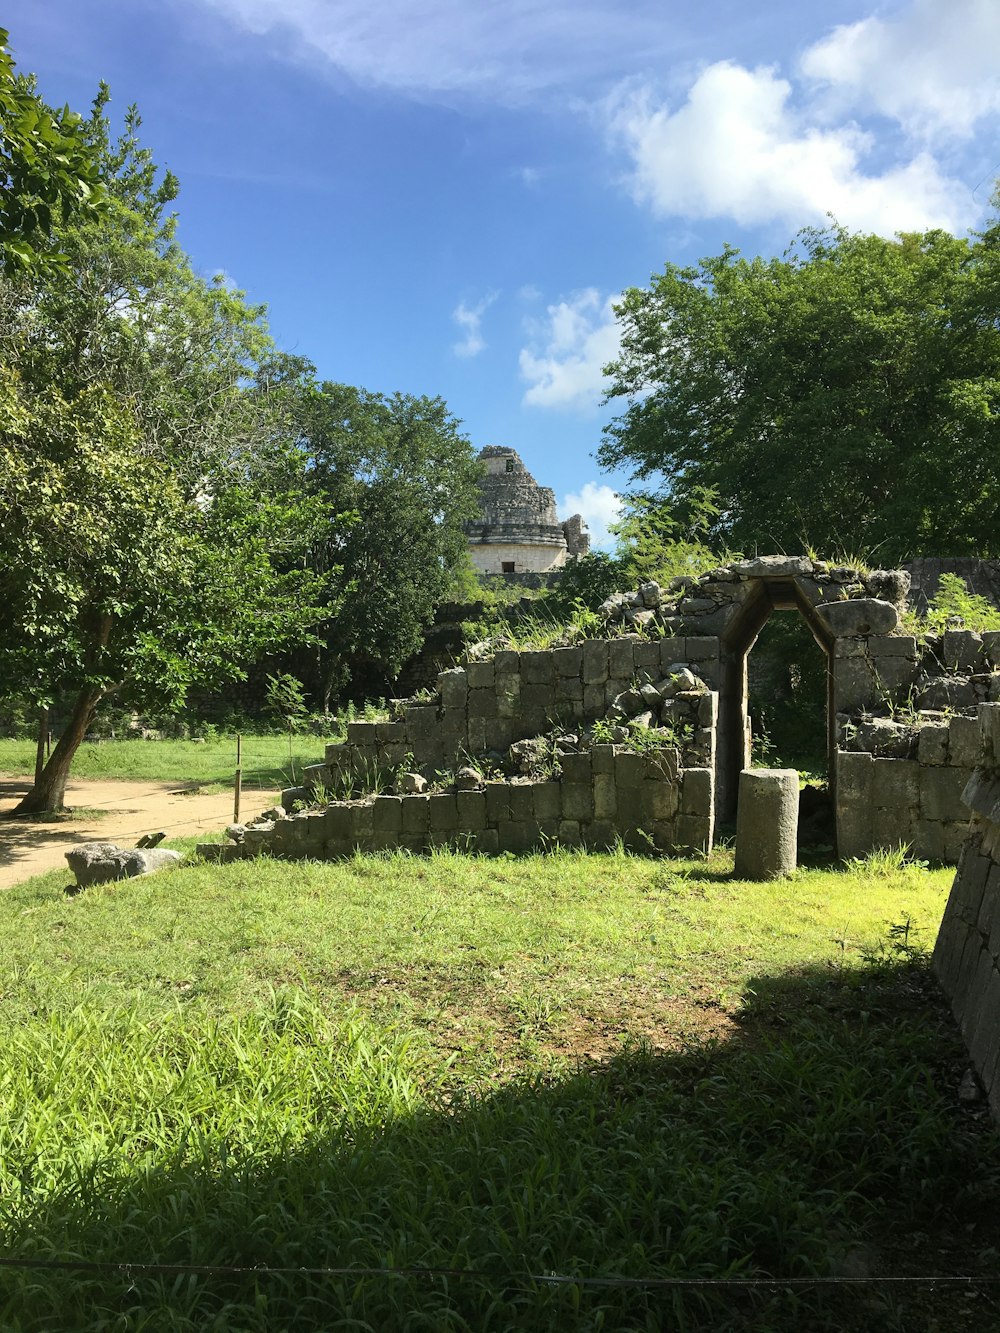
766, 596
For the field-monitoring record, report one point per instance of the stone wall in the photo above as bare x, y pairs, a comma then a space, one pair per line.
645, 773
518, 525
967, 952
647, 800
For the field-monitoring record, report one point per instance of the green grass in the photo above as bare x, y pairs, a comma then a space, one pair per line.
265, 760
583, 1065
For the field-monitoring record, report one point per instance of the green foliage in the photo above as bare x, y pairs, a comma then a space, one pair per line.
663, 539
954, 605
150, 508
843, 396
397, 480
48, 172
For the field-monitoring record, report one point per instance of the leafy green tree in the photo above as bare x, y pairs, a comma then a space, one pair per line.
398, 481
844, 396
48, 170
153, 511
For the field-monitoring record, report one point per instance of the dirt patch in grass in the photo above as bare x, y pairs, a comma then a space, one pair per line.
106, 811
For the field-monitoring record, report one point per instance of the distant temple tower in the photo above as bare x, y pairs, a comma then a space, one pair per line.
518, 531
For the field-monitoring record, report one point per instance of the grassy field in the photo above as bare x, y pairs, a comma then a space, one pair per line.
266, 762
600, 1068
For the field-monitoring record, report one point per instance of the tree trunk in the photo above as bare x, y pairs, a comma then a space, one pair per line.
43, 731
49, 792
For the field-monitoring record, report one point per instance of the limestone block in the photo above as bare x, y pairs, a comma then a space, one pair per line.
453, 687
661, 765
605, 796
894, 673
576, 768
568, 662
569, 833
980, 906
214, 851
537, 668
537, 697
962, 649
697, 649
338, 755
416, 814
593, 701
577, 801
992, 888
647, 659
948, 692
471, 807
693, 831
928, 840
497, 802
481, 675
989, 727
659, 800
855, 774
850, 648
101, 862
600, 834
955, 833
629, 769
941, 793
421, 723
477, 735
390, 733
602, 758
664, 835
569, 689
488, 842
697, 791
316, 776
522, 801
546, 801
991, 647
773, 566
964, 741
902, 645
362, 733
861, 616
444, 812
337, 818
507, 662
595, 662
483, 703
387, 814
893, 826
767, 822
621, 658
896, 783
854, 685
507, 690
932, 748
517, 836
499, 733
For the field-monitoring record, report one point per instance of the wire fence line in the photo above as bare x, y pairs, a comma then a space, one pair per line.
129, 1270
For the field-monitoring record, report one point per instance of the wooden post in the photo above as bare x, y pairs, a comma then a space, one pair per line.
43, 731
239, 779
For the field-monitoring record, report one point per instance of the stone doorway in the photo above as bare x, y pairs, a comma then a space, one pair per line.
766, 596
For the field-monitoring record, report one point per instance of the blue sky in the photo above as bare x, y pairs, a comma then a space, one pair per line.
445, 196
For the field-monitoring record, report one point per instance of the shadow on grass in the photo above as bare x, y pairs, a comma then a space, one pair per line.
825, 1139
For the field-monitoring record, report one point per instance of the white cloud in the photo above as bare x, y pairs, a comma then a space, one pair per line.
738, 147
599, 505
469, 319
506, 50
564, 363
932, 68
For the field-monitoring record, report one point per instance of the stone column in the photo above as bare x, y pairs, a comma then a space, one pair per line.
767, 823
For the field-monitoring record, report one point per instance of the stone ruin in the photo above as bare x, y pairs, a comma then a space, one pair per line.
518, 531
640, 735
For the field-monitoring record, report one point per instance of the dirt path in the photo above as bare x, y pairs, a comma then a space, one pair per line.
29, 846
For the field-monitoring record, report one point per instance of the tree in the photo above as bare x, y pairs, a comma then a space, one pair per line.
48, 170
844, 396
398, 481
152, 505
